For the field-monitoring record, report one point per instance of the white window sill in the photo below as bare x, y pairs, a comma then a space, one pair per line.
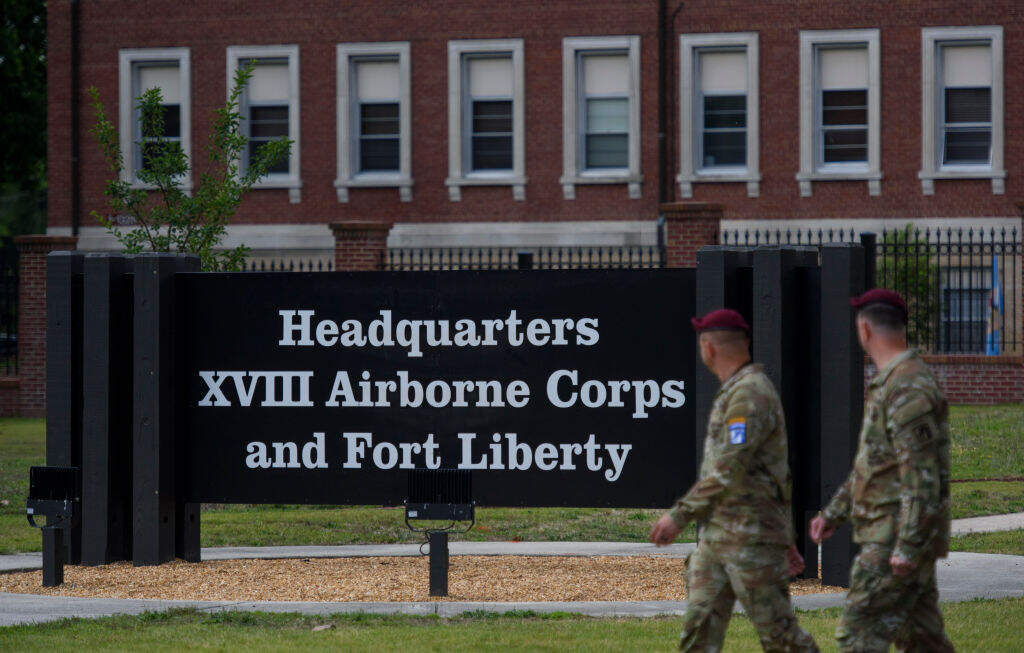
293, 185
723, 176
138, 185
928, 177
517, 182
841, 173
375, 180
603, 176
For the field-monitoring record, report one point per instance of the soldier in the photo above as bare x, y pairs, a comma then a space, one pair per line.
897, 494
746, 548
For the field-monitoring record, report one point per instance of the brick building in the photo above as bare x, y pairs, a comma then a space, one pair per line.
529, 124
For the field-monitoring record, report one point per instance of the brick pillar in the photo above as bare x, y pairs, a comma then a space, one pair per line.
360, 244
32, 251
689, 226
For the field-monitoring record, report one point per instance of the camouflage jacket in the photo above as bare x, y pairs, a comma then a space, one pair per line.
743, 493
898, 491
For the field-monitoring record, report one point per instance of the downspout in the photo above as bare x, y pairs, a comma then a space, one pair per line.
75, 168
662, 105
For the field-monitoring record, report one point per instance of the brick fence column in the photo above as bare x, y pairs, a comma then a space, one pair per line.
32, 251
360, 244
689, 226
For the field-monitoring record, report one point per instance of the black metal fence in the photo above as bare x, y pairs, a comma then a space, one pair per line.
289, 265
8, 310
962, 286
515, 258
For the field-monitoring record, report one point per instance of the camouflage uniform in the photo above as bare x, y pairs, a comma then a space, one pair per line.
898, 499
743, 500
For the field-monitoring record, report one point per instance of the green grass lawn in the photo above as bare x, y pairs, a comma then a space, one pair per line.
1009, 542
990, 626
987, 442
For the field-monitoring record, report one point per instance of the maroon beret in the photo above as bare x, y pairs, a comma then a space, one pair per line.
880, 296
724, 319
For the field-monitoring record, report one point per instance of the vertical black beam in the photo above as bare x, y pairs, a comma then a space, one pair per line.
54, 556
438, 563
524, 261
842, 392
106, 410
780, 346
723, 281
64, 370
154, 497
186, 514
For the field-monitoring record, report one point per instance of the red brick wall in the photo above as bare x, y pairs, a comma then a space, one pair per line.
208, 28
31, 385
980, 379
688, 227
9, 406
359, 245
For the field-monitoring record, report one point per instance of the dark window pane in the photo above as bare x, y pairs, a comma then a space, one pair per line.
492, 117
492, 152
268, 122
844, 107
254, 148
845, 145
968, 105
379, 119
172, 120
725, 148
725, 111
607, 150
378, 154
967, 145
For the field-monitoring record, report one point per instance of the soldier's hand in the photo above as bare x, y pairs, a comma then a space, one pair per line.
794, 560
664, 531
820, 530
900, 565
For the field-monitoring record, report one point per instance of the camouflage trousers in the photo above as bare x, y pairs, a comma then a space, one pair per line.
717, 574
882, 608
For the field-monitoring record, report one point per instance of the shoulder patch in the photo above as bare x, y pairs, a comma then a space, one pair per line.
737, 430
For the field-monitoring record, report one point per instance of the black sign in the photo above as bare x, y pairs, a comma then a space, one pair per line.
569, 388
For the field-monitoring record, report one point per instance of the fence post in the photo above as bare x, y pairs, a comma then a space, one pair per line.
360, 244
524, 261
63, 335
689, 226
842, 392
868, 241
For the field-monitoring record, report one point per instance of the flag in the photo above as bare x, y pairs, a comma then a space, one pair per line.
995, 313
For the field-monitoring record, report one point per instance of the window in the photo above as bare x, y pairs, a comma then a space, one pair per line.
601, 113
605, 111
965, 308
966, 104
167, 70
270, 109
962, 105
718, 133
839, 108
374, 118
486, 116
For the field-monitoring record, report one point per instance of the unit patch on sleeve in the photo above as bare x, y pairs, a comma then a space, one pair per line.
738, 430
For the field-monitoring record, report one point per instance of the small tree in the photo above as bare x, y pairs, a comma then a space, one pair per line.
907, 265
163, 217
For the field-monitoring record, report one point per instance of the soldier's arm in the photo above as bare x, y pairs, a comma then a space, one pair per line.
838, 509
914, 431
736, 458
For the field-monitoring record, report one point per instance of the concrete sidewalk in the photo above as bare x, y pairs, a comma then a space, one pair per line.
962, 576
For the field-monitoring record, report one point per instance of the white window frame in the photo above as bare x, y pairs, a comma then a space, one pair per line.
812, 168
933, 38
348, 55
459, 174
690, 172
573, 121
292, 179
127, 60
